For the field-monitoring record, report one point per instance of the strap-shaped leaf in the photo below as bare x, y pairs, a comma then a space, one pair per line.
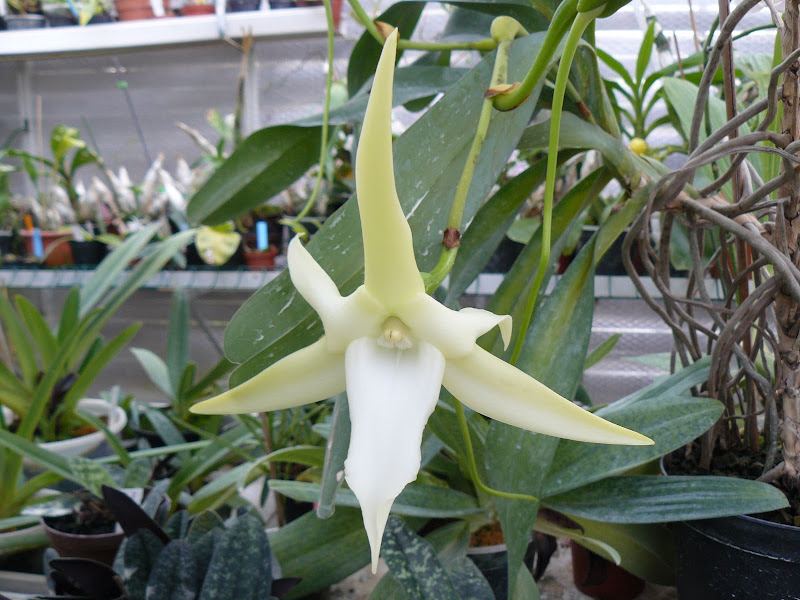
155, 369
18, 339
178, 339
658, 499
335, 455
39, 330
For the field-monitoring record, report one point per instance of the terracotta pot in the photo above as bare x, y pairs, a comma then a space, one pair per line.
601, 579
133, 10
191, 10
56, 249
256, 260
101, 547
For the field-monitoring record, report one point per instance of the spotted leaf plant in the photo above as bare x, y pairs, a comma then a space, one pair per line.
391, 346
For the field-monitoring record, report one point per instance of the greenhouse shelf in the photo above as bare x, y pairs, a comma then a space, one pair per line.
605, 286
167, 31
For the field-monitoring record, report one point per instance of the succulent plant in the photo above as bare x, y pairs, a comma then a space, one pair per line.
197, 557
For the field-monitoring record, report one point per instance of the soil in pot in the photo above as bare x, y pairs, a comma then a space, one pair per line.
89, 531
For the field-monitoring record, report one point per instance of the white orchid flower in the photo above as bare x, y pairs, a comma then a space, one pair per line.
392, 347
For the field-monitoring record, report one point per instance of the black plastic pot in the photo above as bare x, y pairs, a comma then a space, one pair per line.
492, 561
737, 557
30, 21
88, 252
243, 5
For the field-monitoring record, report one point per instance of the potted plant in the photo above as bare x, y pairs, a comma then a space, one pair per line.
177, 379
49, 370
24, 14
197, 7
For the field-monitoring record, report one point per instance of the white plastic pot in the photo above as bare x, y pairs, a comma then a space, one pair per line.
116, 418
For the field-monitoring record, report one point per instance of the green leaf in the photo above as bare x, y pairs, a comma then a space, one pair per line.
659, 499
644, 550
674, 385
567, 314
137, 473
209, 379
113, 440
177, 339
275, 321
602, 350
107, 273
414, 564
264, 164
670, 421
240, 565
90, 473
414, 501
18, 339
39, 330
645, 51
135, 560
175, 575
69, 314
365, 54
90, 371
410, 83
335, 455
155, 369
616, 66
321, 551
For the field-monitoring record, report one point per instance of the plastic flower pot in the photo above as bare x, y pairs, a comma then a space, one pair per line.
87, 253
25, 21
737, 557
57, 252
256, 260
191, 10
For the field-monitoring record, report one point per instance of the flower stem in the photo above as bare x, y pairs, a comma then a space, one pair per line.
448, 256
294, 223
473, 467
363, 18
582, 20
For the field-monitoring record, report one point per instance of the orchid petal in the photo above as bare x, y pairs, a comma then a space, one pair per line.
452, 332
391, 393
391, 274
343, 318
499, 390
308, 375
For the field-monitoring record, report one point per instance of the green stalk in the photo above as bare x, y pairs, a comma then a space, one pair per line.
582, 20
323, 151
560, 24
448, 256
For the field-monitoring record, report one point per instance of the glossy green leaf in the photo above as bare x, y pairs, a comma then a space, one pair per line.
670, 421
415, 500
275, 321
365, 54
645, 50
414, 564
320, 551
602, 350
178, 339
107, 273
264, 164
69, 313
39, 330
659, 499
18, 340
553, 352
616, 66
92, 368
155, 369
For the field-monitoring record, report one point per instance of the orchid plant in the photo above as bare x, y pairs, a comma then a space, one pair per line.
391, 346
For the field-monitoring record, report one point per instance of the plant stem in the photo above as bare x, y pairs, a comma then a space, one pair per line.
473, 467
582, 20
323, 150
448, 256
